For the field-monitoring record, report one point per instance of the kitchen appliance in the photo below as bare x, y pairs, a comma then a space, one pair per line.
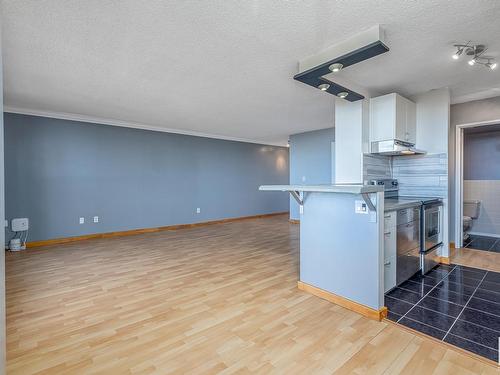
431, 236
407, 243
394, 147
408, 228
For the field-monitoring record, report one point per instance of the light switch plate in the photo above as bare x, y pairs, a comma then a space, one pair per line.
82, 220
96, 219
360, 207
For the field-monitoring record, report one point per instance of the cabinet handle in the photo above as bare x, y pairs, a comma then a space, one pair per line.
387, 263
386, 233
387, 217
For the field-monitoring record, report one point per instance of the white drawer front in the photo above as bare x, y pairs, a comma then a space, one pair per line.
389, 274
389, 243
389, 219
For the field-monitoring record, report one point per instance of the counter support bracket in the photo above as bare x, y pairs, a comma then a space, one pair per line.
297, 196
368, 201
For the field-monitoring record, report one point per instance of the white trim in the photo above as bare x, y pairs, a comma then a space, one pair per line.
128, 124
459, 165
485, 234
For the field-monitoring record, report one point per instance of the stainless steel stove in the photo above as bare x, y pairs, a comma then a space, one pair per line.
431, 219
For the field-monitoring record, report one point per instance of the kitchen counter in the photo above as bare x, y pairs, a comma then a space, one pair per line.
338, 188
336, 262
393, 204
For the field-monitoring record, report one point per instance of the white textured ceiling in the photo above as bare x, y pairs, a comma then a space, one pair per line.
225, 67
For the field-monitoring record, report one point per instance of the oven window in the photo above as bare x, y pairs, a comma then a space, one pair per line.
431, 223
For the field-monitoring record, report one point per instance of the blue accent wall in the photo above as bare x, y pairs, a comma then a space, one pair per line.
482, 156
57, 171
311, 158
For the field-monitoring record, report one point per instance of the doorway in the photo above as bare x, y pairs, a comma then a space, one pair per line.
476, 183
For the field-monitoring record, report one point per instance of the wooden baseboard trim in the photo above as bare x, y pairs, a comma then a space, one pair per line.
294, 221
65, 240
344, 302
444, 260
443, 343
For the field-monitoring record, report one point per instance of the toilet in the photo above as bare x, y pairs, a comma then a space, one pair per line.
471, 212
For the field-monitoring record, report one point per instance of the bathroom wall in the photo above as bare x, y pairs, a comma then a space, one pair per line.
482, 178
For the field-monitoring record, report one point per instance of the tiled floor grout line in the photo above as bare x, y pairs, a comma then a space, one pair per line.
426, 294
461, 312
484, 312
428, 308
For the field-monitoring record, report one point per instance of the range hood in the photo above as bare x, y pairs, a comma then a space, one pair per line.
394, 147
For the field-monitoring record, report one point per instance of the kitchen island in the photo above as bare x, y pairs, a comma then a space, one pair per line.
341, 244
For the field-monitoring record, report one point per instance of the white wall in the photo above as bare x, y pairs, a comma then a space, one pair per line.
466, 113
350, 121
433, 124
2, 232
433, 113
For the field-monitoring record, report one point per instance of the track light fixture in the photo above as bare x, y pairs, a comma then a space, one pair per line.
335, 67
476, 51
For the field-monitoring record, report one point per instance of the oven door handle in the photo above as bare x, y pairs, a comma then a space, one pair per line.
433, 248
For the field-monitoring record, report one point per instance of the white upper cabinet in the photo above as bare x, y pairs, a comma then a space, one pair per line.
392, 117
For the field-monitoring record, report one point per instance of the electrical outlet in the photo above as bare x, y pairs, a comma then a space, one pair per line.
198, 210
82, 220
96, 219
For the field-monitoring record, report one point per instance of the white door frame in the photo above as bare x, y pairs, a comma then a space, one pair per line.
459, 171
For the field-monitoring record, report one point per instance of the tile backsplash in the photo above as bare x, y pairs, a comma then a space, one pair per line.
422, 175
376, 167
418, 175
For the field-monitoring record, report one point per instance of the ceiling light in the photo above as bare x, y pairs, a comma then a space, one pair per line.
458, 53
477, 54
408, 152
324, 86
491, 65
342, 95
336, 67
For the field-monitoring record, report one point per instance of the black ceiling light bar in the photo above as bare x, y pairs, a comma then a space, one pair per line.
315, 76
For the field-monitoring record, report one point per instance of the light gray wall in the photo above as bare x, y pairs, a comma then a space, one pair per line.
482, 156
311, 161
58, 170
341, 251
465, 113
2, 218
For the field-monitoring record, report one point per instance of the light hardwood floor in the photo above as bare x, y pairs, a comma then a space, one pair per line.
216, 299
487, 260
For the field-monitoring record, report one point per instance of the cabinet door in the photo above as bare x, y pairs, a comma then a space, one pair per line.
382, 117
389, 274
400, 118
411, 122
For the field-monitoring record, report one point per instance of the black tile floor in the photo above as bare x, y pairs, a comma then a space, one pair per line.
457, 304
483, 243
